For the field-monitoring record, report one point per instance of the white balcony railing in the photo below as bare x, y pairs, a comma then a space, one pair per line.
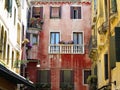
66, 49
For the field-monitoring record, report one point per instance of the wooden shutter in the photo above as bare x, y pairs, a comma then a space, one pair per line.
48, 76
61, 76
38, 76
50, 11
41, 12
72, 76
106, 65
95, 70
71, 12
60, 12
117, 43
79, 12
112, 52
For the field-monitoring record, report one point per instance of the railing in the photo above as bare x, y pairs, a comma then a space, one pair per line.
66, 49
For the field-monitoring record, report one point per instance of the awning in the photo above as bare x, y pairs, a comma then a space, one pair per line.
14, 77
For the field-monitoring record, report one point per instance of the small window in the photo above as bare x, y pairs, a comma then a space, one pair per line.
34, 39
55, 12
86, 74
75, 12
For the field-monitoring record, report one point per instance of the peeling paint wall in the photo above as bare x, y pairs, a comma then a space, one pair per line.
66, 26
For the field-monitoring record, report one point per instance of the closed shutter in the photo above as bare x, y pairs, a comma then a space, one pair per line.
95, 70
50, 12
41, 12
79, 12
48, 76
112, 52
117, 43
38, 76
71, 12
106, 65
60, 12
61, 76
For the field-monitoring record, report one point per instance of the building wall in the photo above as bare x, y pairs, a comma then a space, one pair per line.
66, 27
103, 44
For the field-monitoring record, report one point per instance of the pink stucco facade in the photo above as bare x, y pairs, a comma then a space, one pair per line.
59, 61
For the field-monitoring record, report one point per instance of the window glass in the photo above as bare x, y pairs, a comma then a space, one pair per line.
78, 37
34, 39
54, 38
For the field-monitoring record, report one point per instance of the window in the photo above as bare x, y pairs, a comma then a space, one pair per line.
106, 13
114, 6
95, 4
54, 37
44, 79
78, 37
8, 6
106, 65
37, 12
75, 12
55, 12
66, 79
34, 38
86, 74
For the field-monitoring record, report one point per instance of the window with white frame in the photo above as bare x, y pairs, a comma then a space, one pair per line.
78, 37
54, 37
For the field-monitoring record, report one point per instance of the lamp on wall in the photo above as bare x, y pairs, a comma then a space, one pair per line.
38, 64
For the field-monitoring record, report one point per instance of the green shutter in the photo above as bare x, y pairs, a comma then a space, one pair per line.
117, 43
112, 52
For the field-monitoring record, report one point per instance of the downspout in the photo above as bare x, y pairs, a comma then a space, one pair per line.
109, 27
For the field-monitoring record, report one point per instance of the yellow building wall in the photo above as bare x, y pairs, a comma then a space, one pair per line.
102, 44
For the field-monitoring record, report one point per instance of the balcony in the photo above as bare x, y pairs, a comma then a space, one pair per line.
66, 49
103, 28
92, 47
35, 23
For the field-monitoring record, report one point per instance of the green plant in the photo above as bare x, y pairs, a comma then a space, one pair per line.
17, 63
92, 82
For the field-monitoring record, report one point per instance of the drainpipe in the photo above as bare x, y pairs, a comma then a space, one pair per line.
109, 27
